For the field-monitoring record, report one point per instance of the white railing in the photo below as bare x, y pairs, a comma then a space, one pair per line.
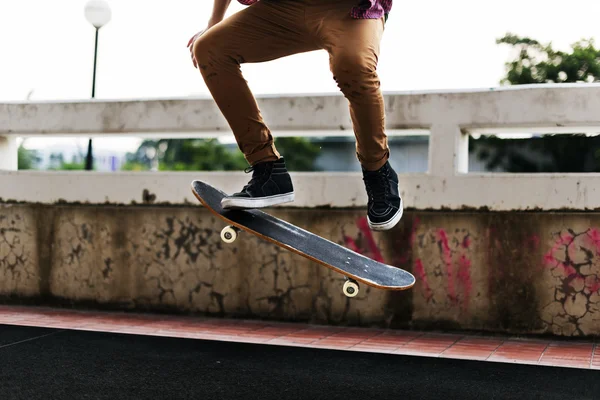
448, 117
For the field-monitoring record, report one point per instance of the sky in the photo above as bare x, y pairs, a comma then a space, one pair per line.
46, 47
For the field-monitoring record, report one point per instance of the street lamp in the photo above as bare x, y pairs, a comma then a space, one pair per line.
97, 12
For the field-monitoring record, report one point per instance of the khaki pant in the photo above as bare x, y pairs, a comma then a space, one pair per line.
272, 29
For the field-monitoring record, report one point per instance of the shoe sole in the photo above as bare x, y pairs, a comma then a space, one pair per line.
387, 225
240, 203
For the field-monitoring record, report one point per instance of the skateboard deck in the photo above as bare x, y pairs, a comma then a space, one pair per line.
354, 266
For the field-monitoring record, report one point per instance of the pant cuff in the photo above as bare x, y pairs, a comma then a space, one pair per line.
374, 165
267, 153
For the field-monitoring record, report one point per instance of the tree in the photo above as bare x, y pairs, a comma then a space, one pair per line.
299, 153
140, 159
57, 163
27, 159
537, 63
198, 155
184, 155
210, 155
72, 166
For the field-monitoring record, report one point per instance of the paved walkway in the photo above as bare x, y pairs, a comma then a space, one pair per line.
583, 354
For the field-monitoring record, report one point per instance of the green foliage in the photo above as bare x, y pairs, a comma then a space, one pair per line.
134, 166
72, 166
540, 63
210, 155
27, 159
141, 159
184, 155
537, 63
299, 153
551, 153
200, 155
57, 163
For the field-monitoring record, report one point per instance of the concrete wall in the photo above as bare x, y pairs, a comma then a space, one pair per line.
503, 272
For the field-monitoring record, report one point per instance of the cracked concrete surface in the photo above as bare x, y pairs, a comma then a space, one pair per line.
18, 257
572, 264
448, 262
503, 272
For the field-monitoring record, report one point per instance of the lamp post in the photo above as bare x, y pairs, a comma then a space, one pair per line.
97, 12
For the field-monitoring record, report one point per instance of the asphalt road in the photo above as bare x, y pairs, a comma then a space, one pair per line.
38, 363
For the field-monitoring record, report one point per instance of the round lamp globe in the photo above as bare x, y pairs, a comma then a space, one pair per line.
97, 12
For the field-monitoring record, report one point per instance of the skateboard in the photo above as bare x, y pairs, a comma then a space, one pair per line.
355, 267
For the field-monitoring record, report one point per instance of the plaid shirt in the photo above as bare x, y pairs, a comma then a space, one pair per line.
367, 9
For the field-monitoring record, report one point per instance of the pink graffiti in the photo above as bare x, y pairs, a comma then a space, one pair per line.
422, 277
593, 239
418, 267
563, 254
363, 225
593, 286
373, 250
464, 276
466, 242
413, 231
351, 244
456, 265
402, 259
447, 260
550, 259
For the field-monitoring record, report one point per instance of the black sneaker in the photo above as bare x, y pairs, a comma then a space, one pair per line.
385, 205
271, 184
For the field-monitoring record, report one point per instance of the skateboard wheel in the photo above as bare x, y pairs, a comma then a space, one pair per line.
229, 234
350, 288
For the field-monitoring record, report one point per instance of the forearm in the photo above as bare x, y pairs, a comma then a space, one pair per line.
219, 9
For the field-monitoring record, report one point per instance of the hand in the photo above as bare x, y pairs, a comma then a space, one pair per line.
190, 44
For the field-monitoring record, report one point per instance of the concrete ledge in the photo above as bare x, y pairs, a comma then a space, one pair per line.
540, 106
494, 192
499, 272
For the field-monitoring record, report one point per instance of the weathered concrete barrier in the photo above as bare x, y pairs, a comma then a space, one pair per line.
504, 272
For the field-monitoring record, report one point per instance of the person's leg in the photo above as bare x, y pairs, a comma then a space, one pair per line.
262, 32
353, 46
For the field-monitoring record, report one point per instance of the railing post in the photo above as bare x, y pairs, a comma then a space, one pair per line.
8, 153
448, 150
